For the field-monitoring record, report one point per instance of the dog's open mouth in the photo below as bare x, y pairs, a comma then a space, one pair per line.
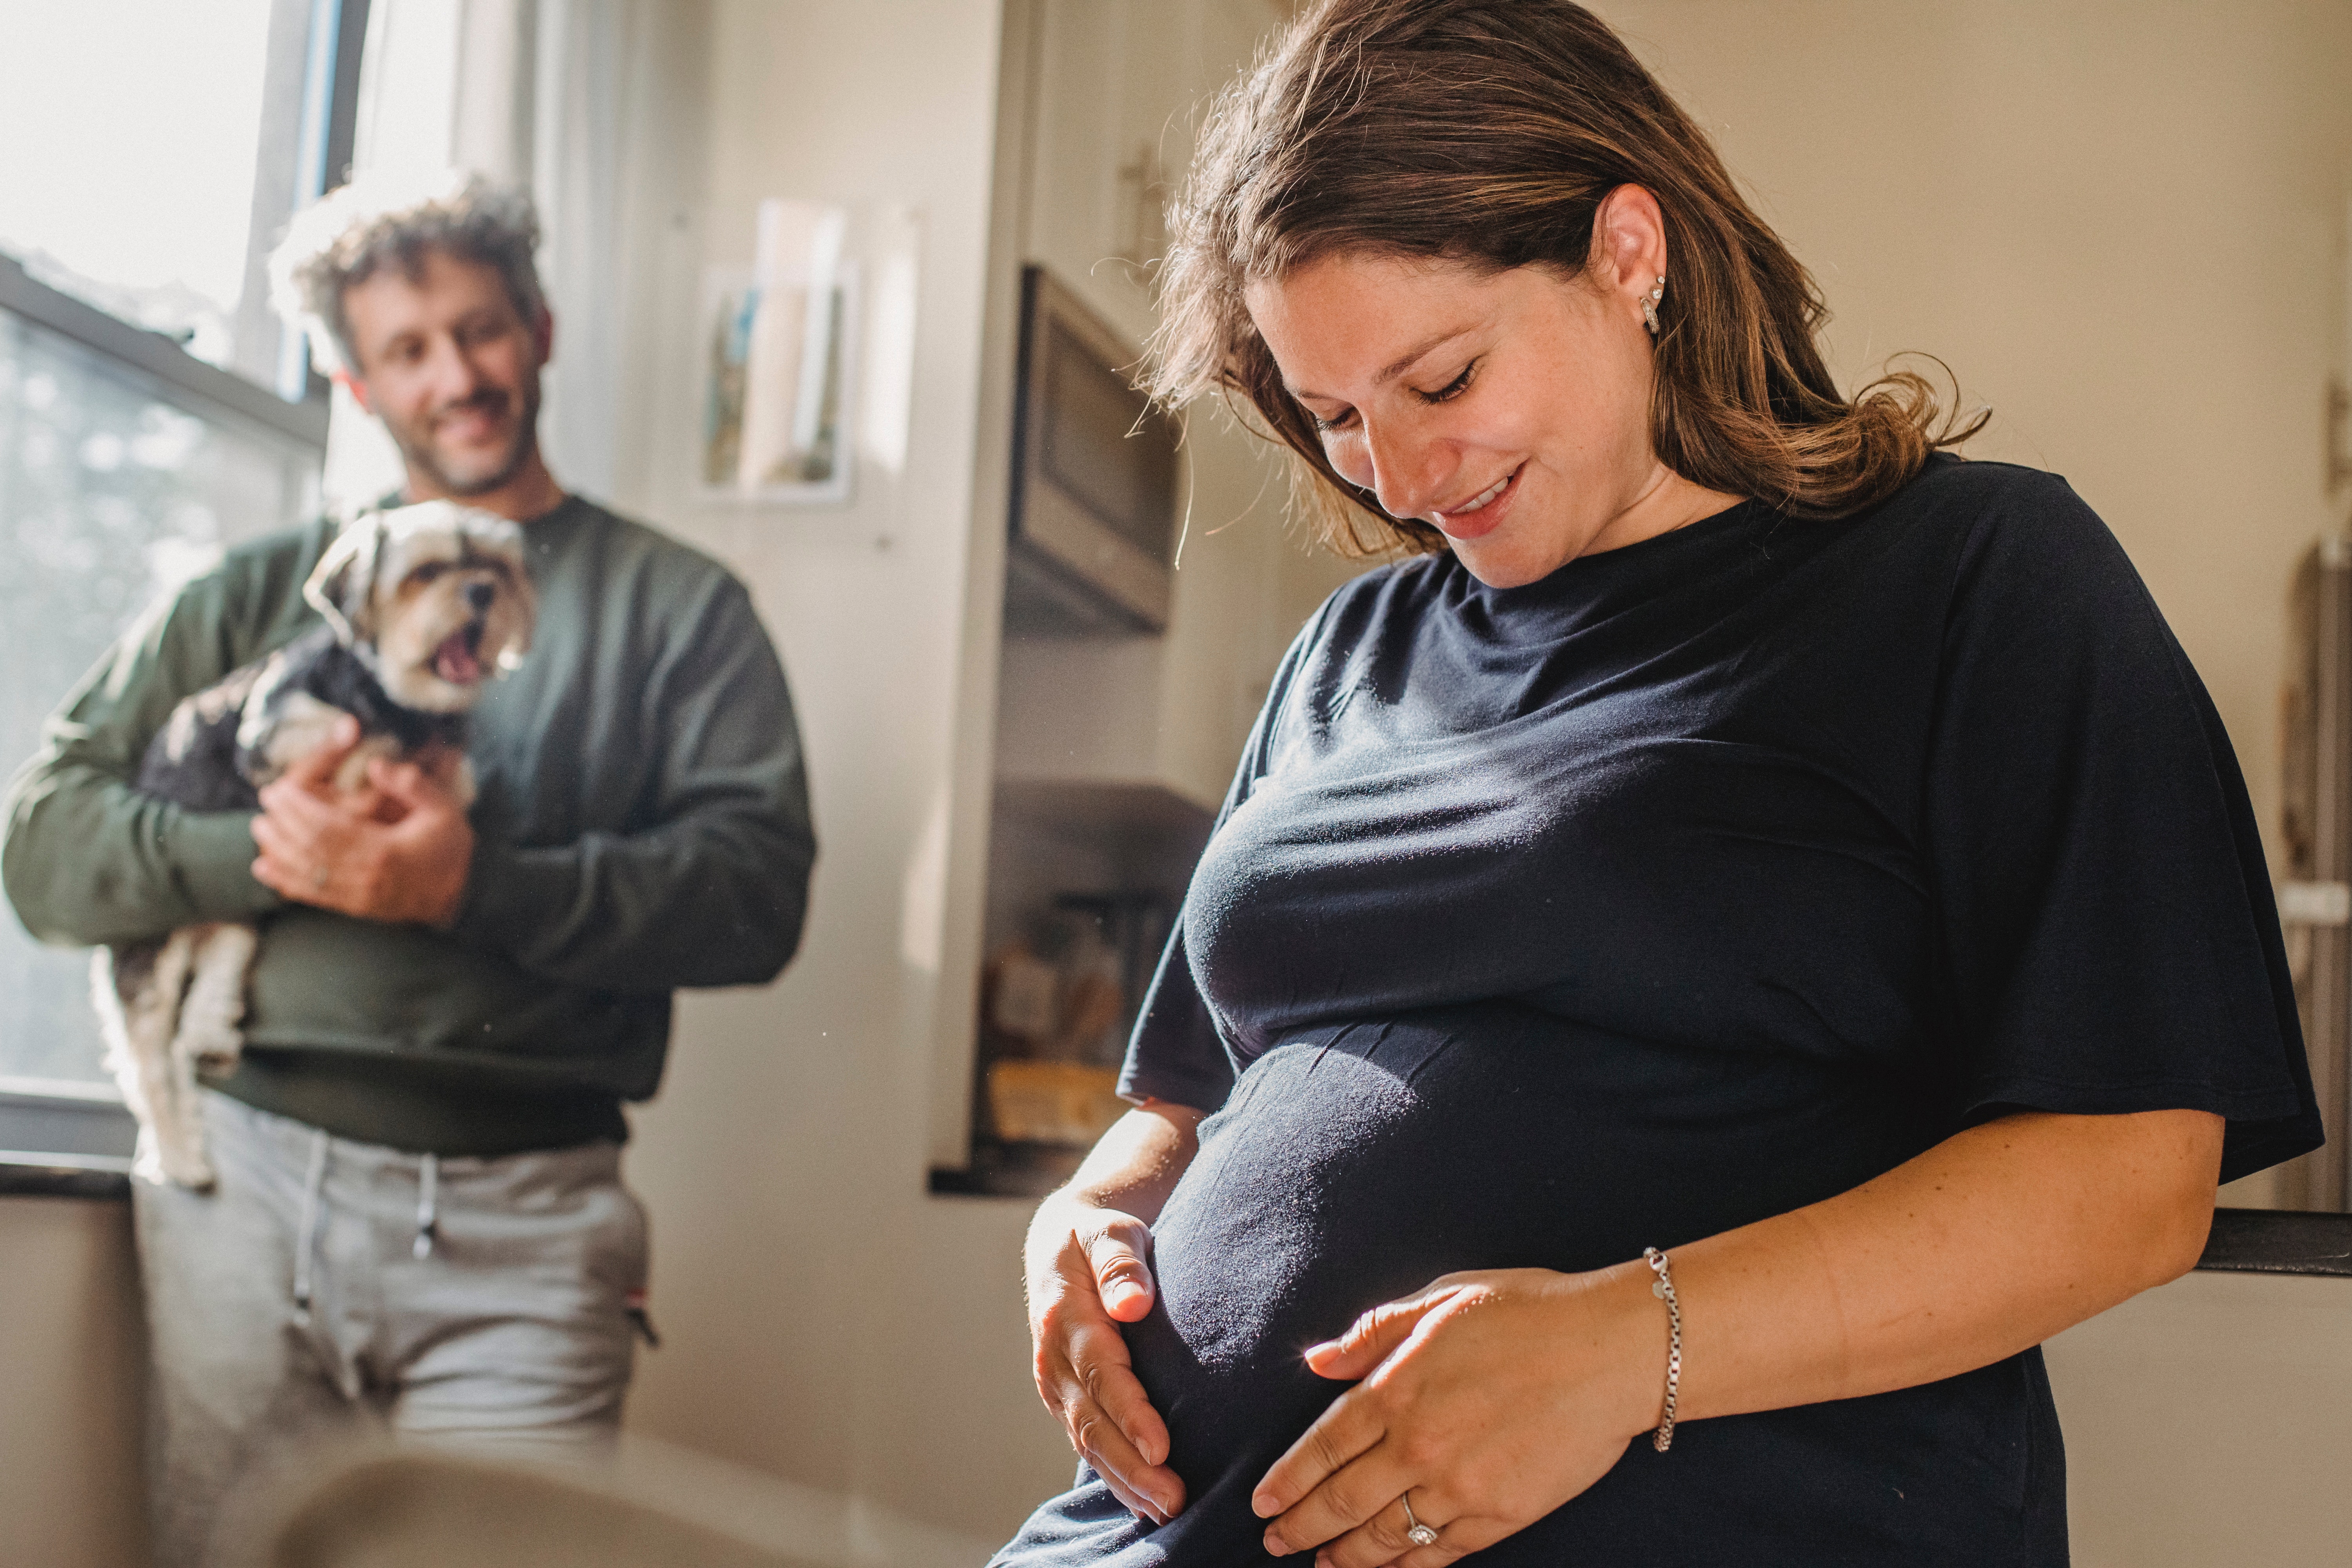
458, 659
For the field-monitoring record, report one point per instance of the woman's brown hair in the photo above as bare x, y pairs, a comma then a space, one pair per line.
1487, 132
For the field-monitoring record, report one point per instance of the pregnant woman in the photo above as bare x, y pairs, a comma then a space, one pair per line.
1747, 931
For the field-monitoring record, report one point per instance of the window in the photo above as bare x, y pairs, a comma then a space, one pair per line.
175, 141
152, 411
113, 492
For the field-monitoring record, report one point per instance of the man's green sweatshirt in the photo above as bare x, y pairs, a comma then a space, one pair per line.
643, 823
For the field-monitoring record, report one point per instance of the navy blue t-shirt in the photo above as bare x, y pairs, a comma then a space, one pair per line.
1702, 880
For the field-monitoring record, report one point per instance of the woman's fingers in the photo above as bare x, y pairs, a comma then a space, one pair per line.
1494, 1397
1349, 1497
1106, 1377
1371, 1338
1347, 1429
1114, 1385
1115, 1255
1111, 1423
1381, 1540
1083, 1277
1116, 1249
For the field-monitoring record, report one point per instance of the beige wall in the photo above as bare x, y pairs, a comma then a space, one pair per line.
71, 1494
824, 1319
2208, 1423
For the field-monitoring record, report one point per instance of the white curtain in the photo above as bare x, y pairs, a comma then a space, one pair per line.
587, 109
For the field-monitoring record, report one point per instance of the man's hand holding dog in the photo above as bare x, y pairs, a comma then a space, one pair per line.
396, 849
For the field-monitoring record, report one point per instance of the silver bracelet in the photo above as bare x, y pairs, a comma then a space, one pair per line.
1664, 1289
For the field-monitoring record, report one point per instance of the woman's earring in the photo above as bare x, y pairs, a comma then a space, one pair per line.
1650, 306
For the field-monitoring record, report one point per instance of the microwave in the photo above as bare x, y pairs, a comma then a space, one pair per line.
1094, 504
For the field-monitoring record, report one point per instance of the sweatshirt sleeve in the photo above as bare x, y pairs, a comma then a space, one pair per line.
87, 858
713, 889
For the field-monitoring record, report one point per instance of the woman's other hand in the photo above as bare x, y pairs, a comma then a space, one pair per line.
1088, 1267
1086, 1275
1493, 1397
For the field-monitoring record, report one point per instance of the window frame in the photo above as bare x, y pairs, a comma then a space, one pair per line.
178, 376
62, 1139
68, 1139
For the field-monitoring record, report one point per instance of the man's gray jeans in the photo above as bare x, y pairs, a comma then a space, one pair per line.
328, 1293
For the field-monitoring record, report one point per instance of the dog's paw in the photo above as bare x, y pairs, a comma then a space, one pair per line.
164, 1162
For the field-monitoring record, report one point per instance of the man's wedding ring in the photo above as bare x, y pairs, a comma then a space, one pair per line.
1415, 1531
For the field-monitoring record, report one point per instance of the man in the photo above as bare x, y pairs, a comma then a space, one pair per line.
419, 1224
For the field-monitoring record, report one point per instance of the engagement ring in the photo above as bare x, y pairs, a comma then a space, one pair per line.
1415, 1531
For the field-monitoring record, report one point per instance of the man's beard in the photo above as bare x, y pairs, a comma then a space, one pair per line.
418, 450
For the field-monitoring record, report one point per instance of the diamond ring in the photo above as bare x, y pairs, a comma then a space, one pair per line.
1415, 1531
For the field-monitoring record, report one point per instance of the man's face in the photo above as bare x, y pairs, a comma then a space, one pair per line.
452, 369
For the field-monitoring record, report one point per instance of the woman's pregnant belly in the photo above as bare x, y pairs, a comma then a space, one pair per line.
1356, 1165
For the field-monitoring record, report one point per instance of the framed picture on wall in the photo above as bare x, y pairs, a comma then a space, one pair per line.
777, 351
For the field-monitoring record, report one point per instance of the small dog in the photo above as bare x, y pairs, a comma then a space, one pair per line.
422, 605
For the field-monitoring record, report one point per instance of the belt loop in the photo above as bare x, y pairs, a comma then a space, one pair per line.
428, 1198
314, 1198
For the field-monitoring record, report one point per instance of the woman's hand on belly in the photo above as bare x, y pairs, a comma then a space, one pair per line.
1496, 1397
1085, 1263
1492, 1397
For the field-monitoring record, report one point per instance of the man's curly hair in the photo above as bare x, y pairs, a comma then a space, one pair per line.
354, 233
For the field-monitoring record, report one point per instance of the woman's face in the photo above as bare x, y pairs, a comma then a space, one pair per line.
1510, 409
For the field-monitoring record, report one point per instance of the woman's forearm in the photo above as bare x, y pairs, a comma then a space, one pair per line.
1989, 1243
1136, 1165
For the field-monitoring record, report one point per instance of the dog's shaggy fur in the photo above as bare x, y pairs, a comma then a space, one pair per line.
423, 605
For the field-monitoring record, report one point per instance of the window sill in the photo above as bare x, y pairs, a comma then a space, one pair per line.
38, 1176
2279, 1241
64, 1140
2243, 1241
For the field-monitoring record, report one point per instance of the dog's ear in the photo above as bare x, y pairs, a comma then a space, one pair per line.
343, 588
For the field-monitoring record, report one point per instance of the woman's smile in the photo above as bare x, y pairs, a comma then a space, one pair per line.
1484, 513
